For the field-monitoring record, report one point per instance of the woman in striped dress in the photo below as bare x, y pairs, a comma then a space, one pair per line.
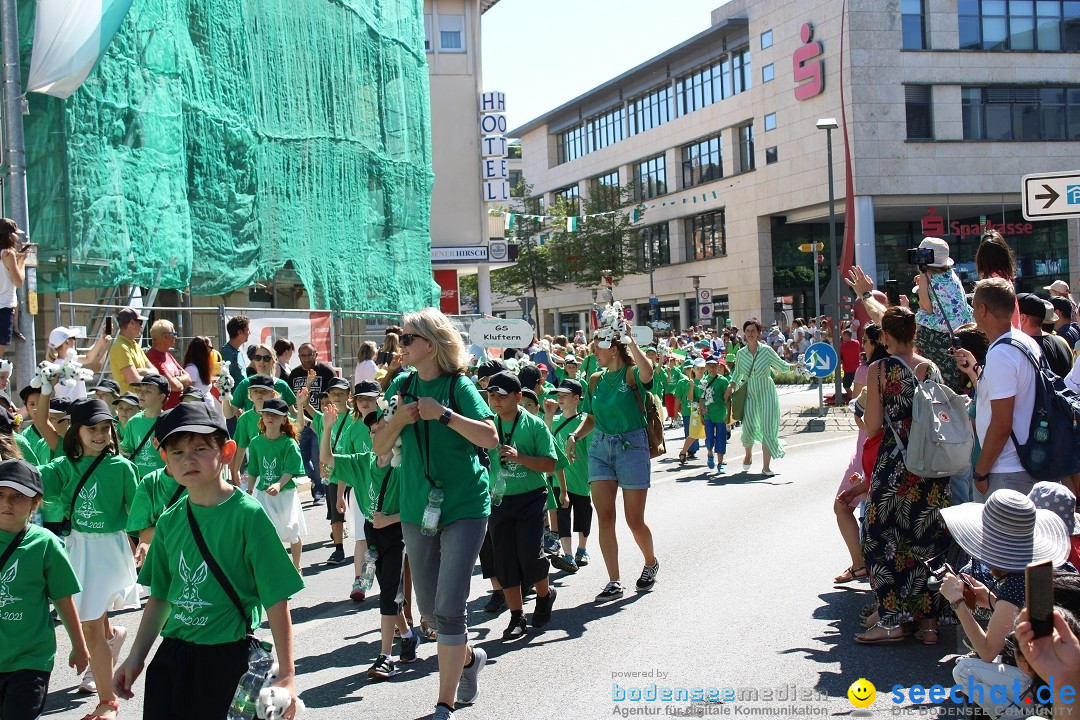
754, 366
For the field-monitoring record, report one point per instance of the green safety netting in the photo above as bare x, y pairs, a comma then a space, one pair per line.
220, 139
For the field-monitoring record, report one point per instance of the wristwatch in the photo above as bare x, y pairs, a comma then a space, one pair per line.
446, 415
867, 295
979, 477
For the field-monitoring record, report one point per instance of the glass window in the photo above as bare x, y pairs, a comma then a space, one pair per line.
746, 148
604, 191
452, 33
706, 235
767, 73
713, 83
650, 178
740, 71
604, 129
771, 155
569, 195
427, 32
1021, 113
973, 113
702, 162
1020, 25
571, 144
920, 118
650, 110
770, 122
913, 24
766, 39
654, 248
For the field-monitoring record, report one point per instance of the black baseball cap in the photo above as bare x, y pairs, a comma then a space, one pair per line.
156, 380
1062, 305
27, 391
504, 383
22, 477
7, 421
129, 398
338, 383
109, 386
261, 381
275, 406
367, 388
490, 367
60, 406
570, 386
188, 417
529, 376
193, 393
531, 394
1032, 305
90, 411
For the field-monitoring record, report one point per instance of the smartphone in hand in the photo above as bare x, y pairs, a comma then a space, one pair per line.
1039, 586
108, 325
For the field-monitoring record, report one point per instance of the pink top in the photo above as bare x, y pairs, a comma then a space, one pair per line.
167, 365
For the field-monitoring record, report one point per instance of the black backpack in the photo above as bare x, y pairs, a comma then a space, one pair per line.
1058, 407
485, 459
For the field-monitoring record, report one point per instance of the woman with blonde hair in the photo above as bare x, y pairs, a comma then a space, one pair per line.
366, 369
445, 500
162, 340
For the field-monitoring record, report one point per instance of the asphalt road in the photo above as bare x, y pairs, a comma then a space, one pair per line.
744, 601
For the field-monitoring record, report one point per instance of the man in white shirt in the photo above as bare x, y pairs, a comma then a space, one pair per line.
1006, 392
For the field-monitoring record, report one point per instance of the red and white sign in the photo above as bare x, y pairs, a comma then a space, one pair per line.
448, 281
315, 329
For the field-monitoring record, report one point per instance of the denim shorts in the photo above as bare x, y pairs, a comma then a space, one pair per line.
624, 458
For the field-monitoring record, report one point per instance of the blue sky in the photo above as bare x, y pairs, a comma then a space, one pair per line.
542, 53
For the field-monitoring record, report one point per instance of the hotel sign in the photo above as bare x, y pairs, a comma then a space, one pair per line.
494, 168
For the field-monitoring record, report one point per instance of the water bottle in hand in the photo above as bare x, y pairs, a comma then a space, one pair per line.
245, 700
498, 487
367, 573
429, 524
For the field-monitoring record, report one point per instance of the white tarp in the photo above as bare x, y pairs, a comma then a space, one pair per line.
70, 36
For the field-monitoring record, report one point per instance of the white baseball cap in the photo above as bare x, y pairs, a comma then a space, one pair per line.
60, 335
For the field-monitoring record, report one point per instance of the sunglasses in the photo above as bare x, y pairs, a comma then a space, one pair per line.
262, 358
407, 338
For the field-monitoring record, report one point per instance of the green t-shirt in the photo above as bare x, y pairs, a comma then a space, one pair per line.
681, 391
148, 459
244, 543
27, 449
531, 437
247, 428
152, 498
452, 462
715, 411
268, 460
361, 472
577, 471
41, 449
241, 401
617, 408
356, 439
337, 433
37, 572
103, 502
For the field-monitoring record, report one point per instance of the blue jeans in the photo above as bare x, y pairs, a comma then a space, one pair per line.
309, 453
686, 433
715, 437
623, 458
442, 568
961, 487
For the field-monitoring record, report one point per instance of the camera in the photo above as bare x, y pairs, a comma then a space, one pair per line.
920, 256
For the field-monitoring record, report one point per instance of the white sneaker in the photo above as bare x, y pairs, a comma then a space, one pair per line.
116, 642
88, 686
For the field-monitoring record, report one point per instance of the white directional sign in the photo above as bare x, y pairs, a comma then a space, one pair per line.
1051, 195
820, 359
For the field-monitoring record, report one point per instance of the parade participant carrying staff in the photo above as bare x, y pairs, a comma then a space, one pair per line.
93, 488
444, 490
34, 570
207, 587
619, 451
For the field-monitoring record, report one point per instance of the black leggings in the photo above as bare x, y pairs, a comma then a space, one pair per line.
389, 565
180, 668
22, 694
581, 506
517, 537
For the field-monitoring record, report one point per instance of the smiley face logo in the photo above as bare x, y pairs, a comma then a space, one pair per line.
862, 693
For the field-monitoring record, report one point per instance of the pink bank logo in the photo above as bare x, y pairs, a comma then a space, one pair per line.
809, 75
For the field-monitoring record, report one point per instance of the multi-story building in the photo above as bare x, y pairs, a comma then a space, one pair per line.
942, 106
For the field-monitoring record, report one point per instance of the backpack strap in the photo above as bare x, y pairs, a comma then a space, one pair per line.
632, 382
218, 573
146, 438
1031, 358
900, 447
11, 548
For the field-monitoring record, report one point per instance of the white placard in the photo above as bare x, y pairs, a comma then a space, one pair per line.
492, 102
496, 332
643, 334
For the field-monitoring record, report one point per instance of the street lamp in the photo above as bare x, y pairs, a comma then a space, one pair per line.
828, 125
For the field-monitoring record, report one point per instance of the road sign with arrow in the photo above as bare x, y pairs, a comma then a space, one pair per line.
1051, 195
820, 360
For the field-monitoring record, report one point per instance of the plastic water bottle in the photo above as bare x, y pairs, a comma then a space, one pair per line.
498, 487
429, 525
245, 700
1040, 439
367, 573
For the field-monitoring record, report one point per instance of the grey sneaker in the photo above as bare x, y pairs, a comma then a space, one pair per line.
468, 687
443, 713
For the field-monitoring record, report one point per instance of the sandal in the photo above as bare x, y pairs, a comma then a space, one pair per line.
113, 705
929, 636
428, 632
852, 573
682, 458
888, 637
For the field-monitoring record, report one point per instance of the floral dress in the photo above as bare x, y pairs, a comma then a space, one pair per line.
903, 518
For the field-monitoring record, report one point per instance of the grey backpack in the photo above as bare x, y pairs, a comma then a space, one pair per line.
940, 439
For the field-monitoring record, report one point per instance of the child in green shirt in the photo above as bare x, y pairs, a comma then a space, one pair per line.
206, 627
274, 458
260, 389
34, 569
157, 492
137, 442
714, 411
337, 393
573, 487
